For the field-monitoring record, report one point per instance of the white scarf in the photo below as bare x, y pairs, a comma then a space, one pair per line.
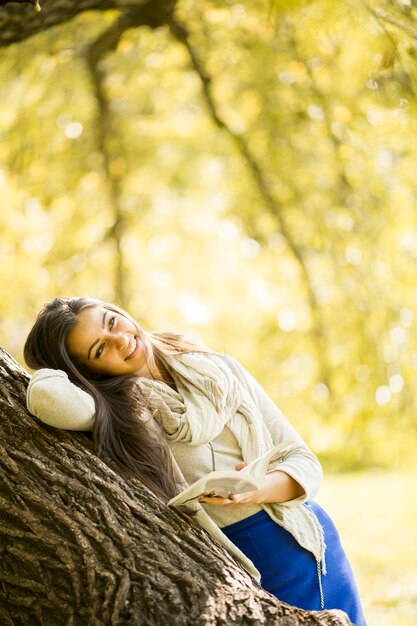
209, 397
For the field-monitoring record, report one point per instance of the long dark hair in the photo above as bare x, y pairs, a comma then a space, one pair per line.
118, 432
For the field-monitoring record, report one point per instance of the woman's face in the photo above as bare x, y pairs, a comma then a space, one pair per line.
108, 343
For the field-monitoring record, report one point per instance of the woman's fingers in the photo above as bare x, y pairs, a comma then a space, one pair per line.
237, 500
215, 501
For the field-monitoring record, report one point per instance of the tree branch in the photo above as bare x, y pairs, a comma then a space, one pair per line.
382, 16
106, 43
35, 3
181, 33
18, 20
152, 16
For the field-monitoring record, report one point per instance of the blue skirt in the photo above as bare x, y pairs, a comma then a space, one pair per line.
291, 573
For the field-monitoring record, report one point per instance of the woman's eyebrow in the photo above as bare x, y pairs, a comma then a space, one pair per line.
103, 324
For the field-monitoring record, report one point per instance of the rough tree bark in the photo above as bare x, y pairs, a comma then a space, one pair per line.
81, 544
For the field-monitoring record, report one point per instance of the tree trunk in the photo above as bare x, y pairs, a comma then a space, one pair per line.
81, 544
19, 19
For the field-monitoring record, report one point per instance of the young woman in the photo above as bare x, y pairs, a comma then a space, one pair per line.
213, 415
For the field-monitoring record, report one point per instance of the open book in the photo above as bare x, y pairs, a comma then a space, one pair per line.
224, 483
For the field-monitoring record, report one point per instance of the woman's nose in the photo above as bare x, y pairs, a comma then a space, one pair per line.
120, 340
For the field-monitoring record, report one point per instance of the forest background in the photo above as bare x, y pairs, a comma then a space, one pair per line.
245, 175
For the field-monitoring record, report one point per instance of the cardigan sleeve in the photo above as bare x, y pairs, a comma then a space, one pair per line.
56, 401
300, 463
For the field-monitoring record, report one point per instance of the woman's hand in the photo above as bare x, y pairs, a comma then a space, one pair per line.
279, 487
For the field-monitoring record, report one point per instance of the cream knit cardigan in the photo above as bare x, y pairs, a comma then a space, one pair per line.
212, 391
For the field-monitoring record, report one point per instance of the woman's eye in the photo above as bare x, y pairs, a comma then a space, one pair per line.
100, 351
112, 321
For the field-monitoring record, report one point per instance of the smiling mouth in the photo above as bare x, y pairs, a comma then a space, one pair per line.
132, 349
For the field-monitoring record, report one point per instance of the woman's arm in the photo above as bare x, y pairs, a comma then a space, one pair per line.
279, 487
56, 401
298, 474
301, 464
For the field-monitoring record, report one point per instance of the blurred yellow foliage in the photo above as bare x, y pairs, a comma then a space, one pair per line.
259, 197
